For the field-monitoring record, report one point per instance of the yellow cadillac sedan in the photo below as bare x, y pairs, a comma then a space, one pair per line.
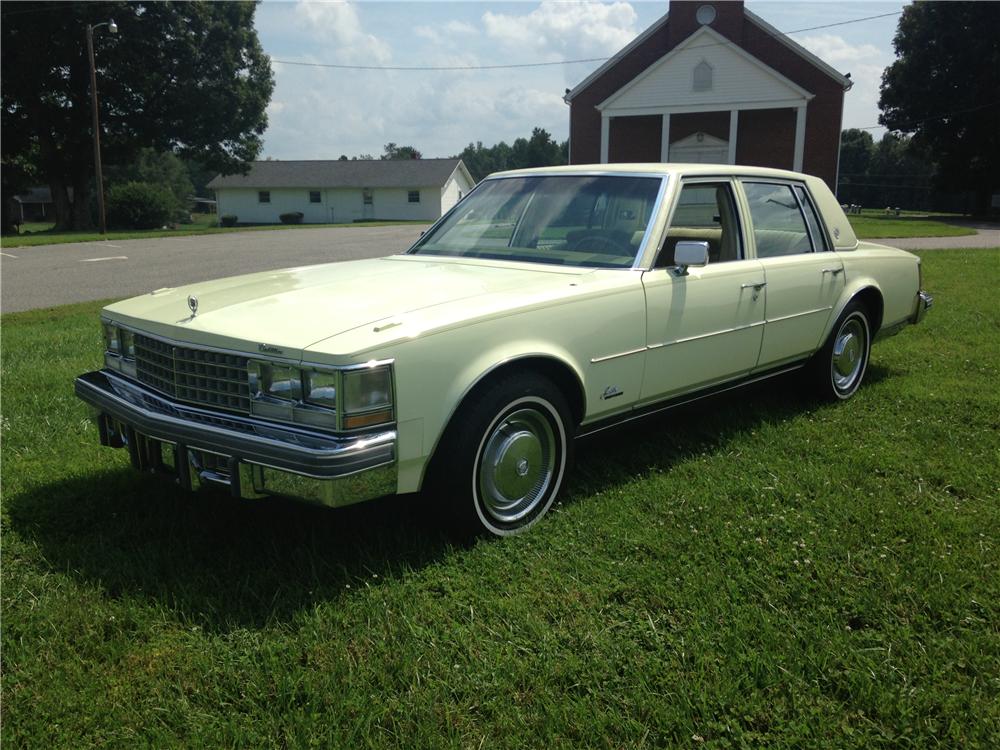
548, 304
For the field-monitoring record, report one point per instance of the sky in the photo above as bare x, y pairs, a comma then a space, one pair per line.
321, 113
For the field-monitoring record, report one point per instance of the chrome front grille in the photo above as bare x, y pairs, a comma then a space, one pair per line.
198, 376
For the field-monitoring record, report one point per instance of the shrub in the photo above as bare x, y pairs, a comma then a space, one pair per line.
139, 205
228, 220
292, 217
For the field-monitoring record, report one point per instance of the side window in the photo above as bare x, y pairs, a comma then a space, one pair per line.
778, 224
812, 219
264, 196
315, 197
705, 212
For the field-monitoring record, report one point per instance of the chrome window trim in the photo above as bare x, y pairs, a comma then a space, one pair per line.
824, 243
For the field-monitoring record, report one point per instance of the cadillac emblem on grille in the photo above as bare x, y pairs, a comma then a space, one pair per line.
193, 305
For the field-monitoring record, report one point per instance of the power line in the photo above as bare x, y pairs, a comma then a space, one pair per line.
507, 66
912, 126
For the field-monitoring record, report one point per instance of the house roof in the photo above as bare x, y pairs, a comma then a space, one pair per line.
408, 173
751, 17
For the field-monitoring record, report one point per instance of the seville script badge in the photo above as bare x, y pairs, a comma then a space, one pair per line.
193, 305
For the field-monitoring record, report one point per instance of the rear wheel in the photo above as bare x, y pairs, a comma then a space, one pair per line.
504, 456
839, 367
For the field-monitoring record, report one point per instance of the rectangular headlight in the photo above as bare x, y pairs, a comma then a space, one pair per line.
319, 387
126, 343
271, 380
111, 344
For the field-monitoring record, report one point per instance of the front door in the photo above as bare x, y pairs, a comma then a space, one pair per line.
368, 204
703, 326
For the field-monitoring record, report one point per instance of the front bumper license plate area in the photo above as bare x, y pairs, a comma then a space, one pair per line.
193, 468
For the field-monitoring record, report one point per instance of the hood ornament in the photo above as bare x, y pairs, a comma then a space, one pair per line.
193, 305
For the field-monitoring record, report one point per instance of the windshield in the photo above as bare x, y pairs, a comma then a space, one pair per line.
598, 221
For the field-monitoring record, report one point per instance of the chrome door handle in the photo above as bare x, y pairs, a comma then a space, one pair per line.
833, 271
756, 286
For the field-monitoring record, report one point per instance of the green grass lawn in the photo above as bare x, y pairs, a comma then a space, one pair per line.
873, 225
43, 234
759, 571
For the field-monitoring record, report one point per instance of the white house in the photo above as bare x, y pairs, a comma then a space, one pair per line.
343, 191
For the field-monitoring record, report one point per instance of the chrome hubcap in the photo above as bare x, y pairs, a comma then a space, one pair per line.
517, 465
848, 354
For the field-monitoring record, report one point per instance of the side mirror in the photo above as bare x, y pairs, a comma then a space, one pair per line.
688, 253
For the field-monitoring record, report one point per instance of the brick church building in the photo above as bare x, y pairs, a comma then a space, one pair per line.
711, 82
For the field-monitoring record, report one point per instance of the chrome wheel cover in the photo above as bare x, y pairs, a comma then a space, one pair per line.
517, 465
849, 355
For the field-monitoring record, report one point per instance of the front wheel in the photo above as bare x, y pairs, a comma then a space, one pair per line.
839, 367
503, 460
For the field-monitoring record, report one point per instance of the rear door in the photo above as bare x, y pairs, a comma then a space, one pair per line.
804, 280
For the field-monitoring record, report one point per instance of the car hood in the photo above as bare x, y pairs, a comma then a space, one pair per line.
282, 313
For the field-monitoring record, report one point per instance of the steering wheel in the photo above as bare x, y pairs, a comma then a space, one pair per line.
599, 243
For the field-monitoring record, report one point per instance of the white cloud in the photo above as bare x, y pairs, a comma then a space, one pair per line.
460, 27
836, 51
338, 23
559, 28
865, 63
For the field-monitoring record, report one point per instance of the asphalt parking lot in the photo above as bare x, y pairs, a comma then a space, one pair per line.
49, 275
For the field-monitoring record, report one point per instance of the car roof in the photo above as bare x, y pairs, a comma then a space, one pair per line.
659, 169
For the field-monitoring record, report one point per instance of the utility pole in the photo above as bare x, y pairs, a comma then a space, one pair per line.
113, 28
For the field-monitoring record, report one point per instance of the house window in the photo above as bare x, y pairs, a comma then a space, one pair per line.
702, 77
413, 196
314, 196
264, 196
366, 195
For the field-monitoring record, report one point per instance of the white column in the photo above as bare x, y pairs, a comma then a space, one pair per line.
665, 139
734, 123
605, 136
800, 136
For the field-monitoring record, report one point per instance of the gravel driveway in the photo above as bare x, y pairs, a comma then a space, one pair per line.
49, 275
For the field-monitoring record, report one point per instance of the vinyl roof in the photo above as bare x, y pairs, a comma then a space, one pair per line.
402, 173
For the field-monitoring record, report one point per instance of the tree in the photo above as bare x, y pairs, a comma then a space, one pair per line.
190, 78
538, 151
856, 149
165, 170
392, 151
944, 88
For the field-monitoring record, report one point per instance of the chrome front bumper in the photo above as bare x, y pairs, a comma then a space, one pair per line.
250, 457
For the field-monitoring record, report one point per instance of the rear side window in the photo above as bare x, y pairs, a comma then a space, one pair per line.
812, 219
779, 226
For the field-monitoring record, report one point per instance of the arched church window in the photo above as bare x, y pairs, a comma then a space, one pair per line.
702, 76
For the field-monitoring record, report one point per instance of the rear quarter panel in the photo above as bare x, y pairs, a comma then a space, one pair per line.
895, 273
